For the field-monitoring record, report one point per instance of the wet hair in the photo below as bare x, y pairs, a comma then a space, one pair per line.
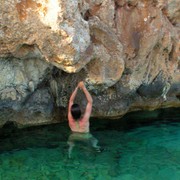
76, 111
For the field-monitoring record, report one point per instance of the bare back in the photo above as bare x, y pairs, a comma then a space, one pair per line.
81, 125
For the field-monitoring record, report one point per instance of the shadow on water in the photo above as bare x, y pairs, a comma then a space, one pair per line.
137, 119
49, 136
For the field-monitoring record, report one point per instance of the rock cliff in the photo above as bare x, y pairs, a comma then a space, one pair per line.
126, 52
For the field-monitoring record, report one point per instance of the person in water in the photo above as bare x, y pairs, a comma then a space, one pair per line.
78, 123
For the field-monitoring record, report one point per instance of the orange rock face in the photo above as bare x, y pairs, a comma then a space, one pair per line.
126, 51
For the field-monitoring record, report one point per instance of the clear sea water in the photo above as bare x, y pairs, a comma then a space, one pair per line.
140, 146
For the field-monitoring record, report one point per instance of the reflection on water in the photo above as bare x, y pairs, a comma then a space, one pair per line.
134, 148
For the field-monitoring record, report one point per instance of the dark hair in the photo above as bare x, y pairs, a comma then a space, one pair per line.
76, 111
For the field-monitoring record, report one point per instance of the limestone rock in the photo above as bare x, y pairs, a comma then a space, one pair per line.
56, 28
107, 66
126, 51
19, 78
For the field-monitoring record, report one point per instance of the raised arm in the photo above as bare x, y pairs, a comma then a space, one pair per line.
73, 95
89, 99
71, 102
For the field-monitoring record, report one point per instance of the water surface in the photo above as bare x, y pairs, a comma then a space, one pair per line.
141, 146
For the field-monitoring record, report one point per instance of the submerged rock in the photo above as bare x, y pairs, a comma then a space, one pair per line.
127, 52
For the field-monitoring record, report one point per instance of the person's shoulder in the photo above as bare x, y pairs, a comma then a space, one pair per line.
84, 119
71, 119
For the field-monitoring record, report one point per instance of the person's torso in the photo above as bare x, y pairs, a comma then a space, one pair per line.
79, 126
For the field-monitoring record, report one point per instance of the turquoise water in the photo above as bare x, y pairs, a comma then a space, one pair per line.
138, 147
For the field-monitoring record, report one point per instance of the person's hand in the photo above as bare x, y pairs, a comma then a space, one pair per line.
81, 85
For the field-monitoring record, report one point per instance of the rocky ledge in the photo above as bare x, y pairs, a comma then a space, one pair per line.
126, 52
